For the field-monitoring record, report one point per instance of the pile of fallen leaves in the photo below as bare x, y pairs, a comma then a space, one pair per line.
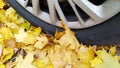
25, 46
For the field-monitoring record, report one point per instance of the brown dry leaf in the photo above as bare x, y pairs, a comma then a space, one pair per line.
10, 43
58, 35
112, 51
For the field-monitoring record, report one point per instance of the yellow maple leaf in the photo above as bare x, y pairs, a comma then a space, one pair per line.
3, 18
86, 53
2, 4
6, 54
30, 39
105, 60
25, 63
42, 42
6, 33
2, 65
20, 37
69, 39
11, 14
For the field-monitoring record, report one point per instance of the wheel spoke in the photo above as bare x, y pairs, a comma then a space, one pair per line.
59, 10
36, 7
81, 22
53, 16
23, 2
101, 12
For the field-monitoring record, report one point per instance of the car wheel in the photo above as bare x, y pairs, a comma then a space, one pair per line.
95, 23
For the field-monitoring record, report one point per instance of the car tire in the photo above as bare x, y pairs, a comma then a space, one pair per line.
107, 33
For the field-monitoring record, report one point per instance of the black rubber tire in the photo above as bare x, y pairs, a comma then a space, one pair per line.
107, 33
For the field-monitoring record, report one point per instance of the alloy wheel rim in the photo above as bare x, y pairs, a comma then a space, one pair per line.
84, 13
